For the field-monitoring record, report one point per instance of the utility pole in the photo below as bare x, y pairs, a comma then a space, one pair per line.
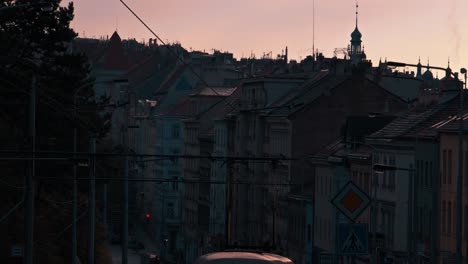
29, 212
92, 200
75, 187
463, 71
275, 200
75, 198
228, 204
410, 218
460, 181
104, 210
125, 202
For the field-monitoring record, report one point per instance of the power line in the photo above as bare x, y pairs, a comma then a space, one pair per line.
170, 49
11, 185
160, 180
57, 202
66, 228
47, 100
141, 155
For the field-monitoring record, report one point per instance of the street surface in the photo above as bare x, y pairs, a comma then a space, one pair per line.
133, 254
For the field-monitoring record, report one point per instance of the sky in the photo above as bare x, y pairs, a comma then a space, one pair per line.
399, 30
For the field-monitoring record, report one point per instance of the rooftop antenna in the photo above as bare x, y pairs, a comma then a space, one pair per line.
313, 35
313, 27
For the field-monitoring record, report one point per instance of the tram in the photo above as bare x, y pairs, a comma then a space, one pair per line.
242, 257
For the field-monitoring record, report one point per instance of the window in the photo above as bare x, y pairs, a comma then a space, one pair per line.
420, 173
385, 174
420, 221
466, 168
444, 217
175, 131
360, 179
354, 173
444, 167
175, 184
429, 230
391, 180
466, 223
321, 184
449, 165
431, 174
449, 218
366, 176
170, 210
426, 174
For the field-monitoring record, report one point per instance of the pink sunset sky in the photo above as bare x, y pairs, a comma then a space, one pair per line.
399, 30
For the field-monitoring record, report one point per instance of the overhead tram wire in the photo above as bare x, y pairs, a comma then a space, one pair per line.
51, 103
160, 180
166, 156
11, 185
170, 49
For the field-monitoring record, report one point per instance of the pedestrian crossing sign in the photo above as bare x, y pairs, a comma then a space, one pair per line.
353, 239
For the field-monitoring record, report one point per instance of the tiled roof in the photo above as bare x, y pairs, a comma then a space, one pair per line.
308, 92
216, 91
293, 93
403, 124
425, 124
332, 149
452, 123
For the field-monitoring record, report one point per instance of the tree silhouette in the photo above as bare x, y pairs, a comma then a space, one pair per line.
35, 41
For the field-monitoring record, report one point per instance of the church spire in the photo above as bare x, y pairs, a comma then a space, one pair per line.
357, 13
356, 50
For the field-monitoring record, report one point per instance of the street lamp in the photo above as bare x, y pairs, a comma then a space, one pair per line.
459, 212
381, 168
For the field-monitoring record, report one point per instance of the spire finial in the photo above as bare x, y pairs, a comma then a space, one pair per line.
448, 62
357, 13
419, 60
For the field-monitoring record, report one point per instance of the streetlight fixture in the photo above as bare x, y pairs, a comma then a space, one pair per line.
459, 212
381, 168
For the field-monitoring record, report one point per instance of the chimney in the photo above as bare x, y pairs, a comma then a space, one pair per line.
286, 55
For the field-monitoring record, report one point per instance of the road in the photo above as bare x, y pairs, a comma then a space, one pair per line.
133, 255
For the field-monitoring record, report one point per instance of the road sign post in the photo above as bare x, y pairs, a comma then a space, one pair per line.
353, 239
